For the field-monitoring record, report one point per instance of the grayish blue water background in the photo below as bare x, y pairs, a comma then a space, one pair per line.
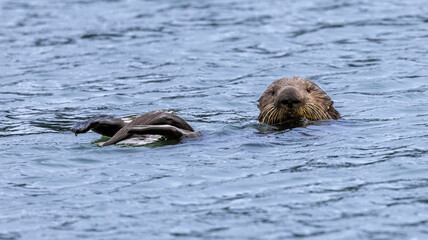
362, 177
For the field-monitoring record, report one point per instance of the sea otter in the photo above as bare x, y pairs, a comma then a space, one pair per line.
162, 123
293, 101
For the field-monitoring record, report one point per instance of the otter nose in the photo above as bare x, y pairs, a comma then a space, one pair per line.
290, 97
290, 102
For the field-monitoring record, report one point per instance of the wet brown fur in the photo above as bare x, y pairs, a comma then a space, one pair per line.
295, 99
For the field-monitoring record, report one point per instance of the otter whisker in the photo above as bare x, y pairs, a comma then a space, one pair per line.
301, 111
266, 114
262, 115
278, 117
271, 113
321, 112
313, 112
316, 112
307, 113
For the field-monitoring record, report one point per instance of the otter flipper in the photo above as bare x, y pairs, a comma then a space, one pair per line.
107, 126
168, 131
152, 123
171, 132
173, 127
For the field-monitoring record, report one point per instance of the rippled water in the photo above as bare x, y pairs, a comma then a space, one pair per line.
362, 177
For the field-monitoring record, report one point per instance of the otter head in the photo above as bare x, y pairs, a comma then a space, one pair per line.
295, 99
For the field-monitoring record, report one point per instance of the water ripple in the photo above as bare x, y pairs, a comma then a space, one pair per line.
361, 177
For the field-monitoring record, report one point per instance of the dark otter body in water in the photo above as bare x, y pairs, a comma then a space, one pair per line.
153, 123
291, 101
286, 102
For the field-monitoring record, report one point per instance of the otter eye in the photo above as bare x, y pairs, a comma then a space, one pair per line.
272, 92
309, 89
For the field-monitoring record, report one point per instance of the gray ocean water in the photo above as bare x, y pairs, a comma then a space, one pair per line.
362, 177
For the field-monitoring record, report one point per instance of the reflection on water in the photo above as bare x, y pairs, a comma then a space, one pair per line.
361, 177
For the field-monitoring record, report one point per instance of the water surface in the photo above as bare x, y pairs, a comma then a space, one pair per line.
362, 177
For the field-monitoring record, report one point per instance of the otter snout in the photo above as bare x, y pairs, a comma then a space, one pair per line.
290, 97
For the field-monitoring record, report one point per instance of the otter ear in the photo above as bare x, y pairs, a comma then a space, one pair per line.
334, 114
330, 105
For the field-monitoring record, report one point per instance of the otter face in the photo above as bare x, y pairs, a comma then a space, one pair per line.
295, 99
